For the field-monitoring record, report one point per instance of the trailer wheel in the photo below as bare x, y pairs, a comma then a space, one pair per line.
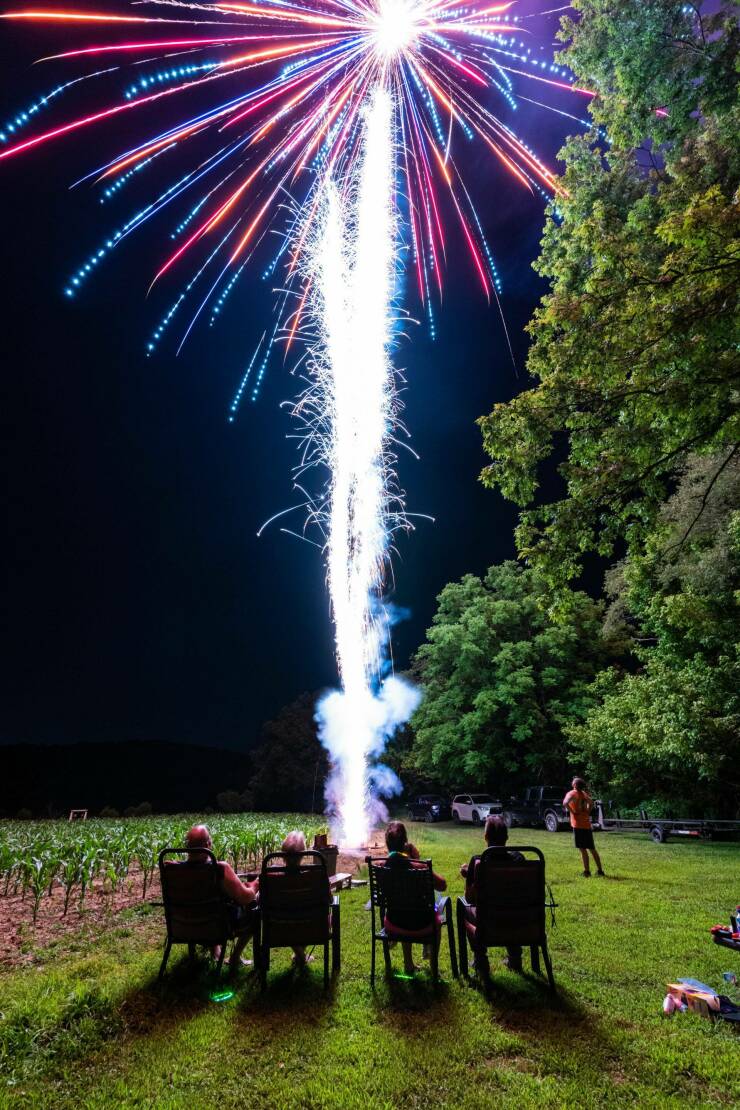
658, 834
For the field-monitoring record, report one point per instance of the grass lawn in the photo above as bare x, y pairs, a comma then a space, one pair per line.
87, 1026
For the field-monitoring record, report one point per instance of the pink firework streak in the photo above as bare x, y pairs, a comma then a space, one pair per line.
352, 107
287, 83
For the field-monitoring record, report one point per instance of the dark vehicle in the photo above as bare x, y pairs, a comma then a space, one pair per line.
429, 807
541, 805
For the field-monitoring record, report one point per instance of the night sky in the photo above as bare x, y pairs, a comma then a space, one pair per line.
139, 603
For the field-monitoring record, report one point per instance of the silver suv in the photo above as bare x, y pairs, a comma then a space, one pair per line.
474, 807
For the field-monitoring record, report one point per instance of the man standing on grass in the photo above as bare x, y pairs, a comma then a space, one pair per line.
579, 806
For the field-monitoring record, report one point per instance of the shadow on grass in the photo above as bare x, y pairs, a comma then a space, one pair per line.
523, 1006
524, 991
414, 1004
37, 1039
188, 987
519, 1004
412, 992
293, 992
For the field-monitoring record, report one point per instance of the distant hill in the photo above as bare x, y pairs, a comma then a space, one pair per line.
51, 779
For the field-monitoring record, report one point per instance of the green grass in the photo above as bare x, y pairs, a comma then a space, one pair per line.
92, 1028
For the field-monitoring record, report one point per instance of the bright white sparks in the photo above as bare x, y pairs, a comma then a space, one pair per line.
353, 264
397, 23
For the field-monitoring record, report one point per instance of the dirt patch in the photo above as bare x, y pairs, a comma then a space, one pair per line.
352, 860
20, 938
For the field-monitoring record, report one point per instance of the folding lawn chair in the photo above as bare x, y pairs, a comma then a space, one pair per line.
404, 899
297, 908
196, 910
509, 909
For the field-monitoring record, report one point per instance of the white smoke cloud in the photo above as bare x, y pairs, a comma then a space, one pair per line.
355, 733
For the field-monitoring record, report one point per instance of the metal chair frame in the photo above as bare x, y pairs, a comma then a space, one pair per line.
412, 889
492, 930
306, 923
204, 919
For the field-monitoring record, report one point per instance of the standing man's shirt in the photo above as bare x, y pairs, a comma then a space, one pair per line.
579, 805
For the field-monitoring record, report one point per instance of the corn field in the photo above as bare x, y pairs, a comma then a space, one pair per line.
38, 858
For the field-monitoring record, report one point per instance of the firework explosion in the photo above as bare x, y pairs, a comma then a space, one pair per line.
337, 111
351, 404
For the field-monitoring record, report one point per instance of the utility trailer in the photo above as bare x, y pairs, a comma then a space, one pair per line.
661, 828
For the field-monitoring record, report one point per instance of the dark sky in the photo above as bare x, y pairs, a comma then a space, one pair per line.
139, 602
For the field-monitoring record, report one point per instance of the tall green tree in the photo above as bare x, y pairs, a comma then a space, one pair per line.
501, 679
634, 353
672, 730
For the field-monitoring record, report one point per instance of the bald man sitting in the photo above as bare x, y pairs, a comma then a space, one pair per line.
241, 896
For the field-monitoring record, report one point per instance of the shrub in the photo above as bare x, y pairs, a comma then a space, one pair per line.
143, 809
229, 801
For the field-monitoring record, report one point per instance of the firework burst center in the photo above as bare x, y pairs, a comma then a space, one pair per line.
397, 24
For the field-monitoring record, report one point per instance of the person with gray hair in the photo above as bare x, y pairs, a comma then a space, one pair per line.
292, 848
294, 842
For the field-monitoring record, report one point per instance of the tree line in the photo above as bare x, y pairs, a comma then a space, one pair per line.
634, 380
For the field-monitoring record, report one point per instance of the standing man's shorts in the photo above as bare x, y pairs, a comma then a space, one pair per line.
584, 838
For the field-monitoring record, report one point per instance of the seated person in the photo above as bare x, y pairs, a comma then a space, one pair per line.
294, 842
293, 845
241, 896
496, 834
403, 854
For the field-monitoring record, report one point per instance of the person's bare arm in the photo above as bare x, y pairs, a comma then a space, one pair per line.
470, 876
242, 893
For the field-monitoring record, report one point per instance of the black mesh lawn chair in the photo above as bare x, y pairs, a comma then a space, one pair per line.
196, 910
297, 908
403, 898
509, 909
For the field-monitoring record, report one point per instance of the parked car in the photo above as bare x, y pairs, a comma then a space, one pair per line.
474, 807
540, 805
429, 807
